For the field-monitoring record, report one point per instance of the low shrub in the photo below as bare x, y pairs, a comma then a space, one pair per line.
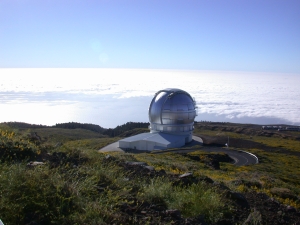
197, 200
192, 201
14, 148
38, 195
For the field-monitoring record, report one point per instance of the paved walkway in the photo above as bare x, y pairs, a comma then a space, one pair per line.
241, 158
114, 147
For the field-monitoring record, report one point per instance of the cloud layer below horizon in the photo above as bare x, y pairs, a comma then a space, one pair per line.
110, 97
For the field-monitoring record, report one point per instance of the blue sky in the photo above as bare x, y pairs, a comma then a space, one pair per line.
231, 35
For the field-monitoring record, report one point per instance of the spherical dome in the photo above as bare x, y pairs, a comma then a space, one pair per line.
172, 110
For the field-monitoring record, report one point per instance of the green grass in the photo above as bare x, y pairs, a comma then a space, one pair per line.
274, 170
93, 143
14, 147
192, 201
93, 191
276, 141
38, 194
61, 195
292, 145
170, 162
62, 135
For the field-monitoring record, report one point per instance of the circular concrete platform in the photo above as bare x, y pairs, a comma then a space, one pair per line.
241, 158
114, 147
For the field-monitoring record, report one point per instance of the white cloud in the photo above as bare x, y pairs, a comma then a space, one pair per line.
230, 95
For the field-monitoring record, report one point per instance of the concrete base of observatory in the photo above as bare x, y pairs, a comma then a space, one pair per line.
153, 141
114, 147
171, 114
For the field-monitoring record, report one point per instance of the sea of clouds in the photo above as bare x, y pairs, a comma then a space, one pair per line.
111, 97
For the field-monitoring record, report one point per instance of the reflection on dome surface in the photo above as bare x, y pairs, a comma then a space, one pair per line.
171, 115
172, 111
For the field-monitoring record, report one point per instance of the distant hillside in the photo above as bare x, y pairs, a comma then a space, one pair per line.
22, 125
111, 132
124, 128
134, 131
75, 125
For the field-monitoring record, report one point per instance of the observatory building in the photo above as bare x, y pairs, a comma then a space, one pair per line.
171, 116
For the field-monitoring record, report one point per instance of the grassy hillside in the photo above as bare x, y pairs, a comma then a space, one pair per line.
78, 185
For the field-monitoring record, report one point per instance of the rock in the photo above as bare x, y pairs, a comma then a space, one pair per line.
238, 197
274, 200
126, 208
32, 164
58, 144
253, 218
162, 172
196, 158
237, 182
150, 168
283, 193
263, 196
248, 183
290, 209
185, 179
221, 186
109, 158
173, 213
59, 155
206, 179
33, 136
214, 164
136, 163
188, 174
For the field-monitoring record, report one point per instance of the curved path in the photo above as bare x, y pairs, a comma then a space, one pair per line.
241, 158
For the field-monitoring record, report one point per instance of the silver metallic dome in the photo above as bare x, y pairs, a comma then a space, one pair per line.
172, 111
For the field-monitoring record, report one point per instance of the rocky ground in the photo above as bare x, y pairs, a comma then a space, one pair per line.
241, 143
248, 208
245, 208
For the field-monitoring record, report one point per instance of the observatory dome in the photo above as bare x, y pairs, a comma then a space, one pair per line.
171, 115
172, 111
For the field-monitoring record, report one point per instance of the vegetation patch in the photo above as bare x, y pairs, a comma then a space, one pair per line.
71, 183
